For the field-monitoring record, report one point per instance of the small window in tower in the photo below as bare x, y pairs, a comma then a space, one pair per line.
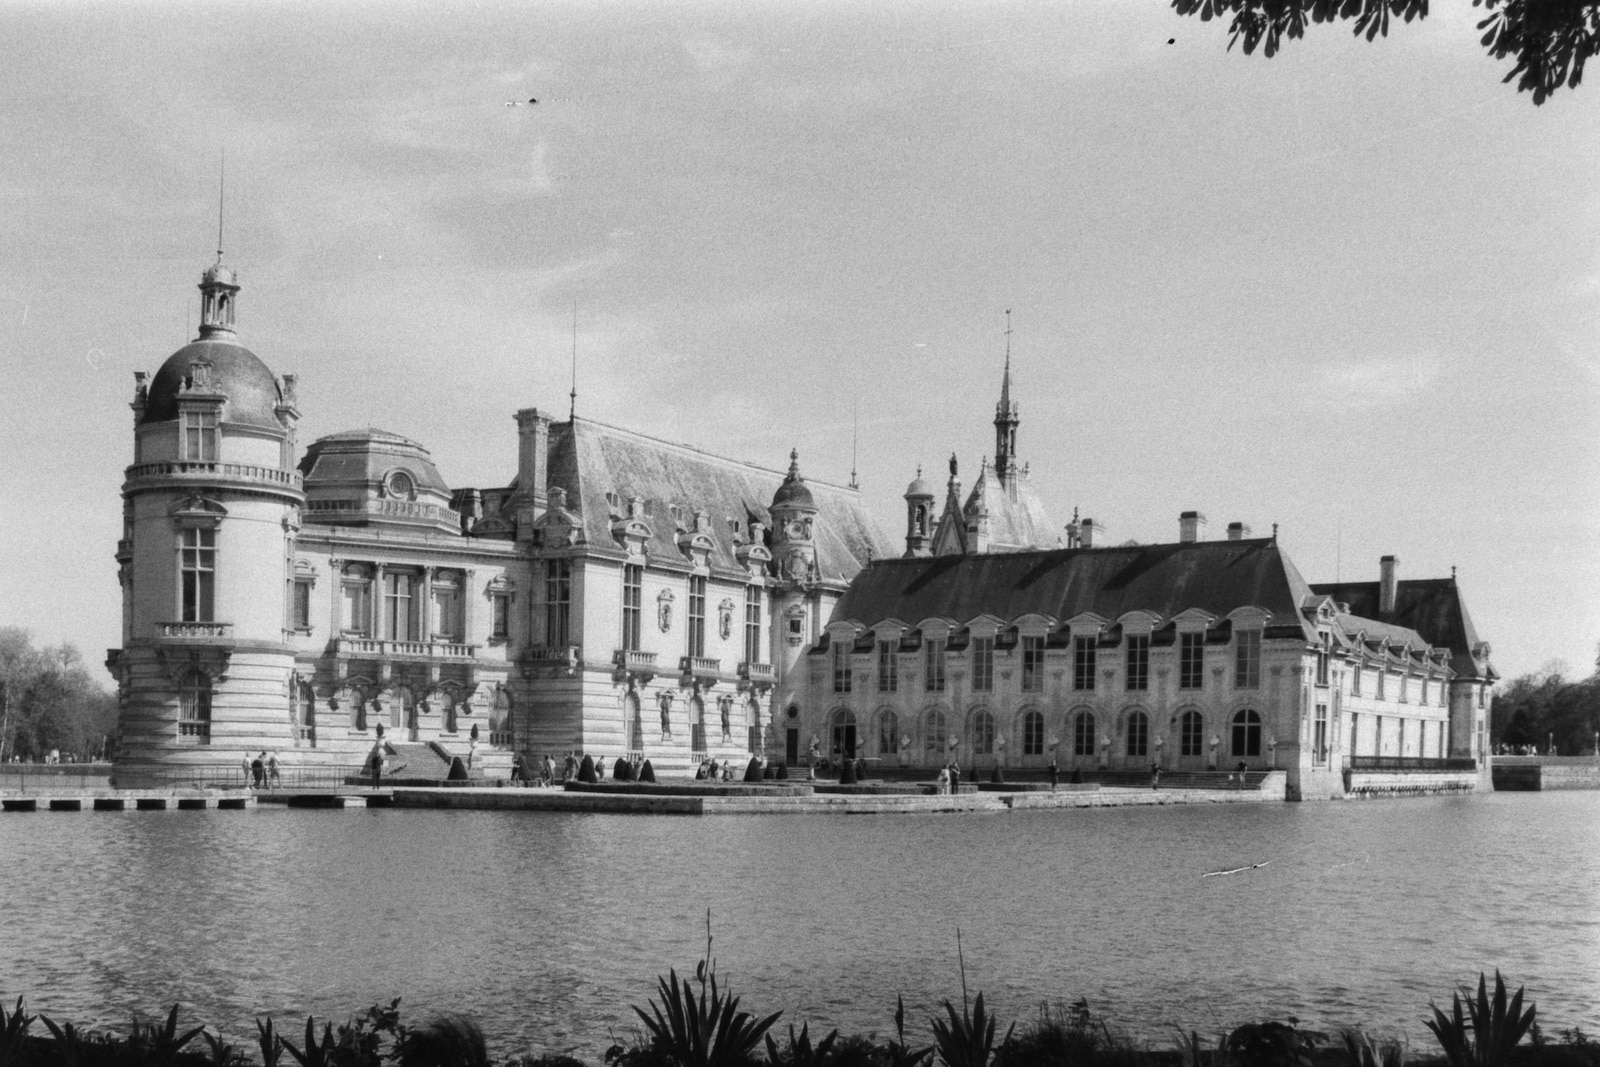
200, 436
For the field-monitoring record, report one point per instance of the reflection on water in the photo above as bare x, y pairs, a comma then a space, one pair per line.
547, 926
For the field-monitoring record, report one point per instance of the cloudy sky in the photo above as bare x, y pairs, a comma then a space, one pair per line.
1354, 290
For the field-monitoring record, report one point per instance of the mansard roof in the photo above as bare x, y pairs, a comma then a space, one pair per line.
1432, 607
1213, 576
590, 459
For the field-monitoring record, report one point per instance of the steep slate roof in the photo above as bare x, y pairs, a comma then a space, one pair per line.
590, 459
1215, 576
1013, 524
1431, 606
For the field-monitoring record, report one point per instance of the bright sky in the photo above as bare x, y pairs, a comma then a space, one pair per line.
1353, 290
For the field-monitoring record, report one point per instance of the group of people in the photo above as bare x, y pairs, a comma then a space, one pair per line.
262, 771
712, 771
949, 780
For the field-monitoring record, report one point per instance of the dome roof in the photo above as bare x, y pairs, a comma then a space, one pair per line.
369, 456
793, 492
251, 389
918, 487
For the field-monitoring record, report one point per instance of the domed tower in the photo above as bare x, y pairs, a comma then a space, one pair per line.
794, 547
211, 506
919, 516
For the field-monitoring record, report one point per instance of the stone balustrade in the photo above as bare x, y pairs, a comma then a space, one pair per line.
197, 631
217, 471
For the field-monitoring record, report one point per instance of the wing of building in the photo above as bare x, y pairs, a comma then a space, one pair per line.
620, 595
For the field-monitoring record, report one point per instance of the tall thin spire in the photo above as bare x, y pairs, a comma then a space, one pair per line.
572, 408
855, 437
222, 190
1005, 423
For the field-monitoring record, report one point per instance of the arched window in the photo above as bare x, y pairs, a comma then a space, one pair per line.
1138, 734
402, 709
888, 732
1033, 734
1083, 734
1191, 734
1247, 734
357, 701
753, 722
500, 720
697, 724
843, 731
633, 714
935, 739
447, 710
983, 734
303, 712
194, 709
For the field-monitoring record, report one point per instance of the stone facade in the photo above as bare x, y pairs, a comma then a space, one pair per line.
620, 596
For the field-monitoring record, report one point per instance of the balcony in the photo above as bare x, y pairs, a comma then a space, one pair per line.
209, 632
551, 661
759, 676
633, 664
182, 471
373, 648
700, 669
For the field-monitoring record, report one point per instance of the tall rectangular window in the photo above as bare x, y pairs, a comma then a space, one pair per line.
697, 615
356, 588
1247, 659
1191, 660
300, 606
632, 604
1083, 661
557, 602
1405, 687
499, 616
1383, 682
1319, 739
1355, 679
1032, 664
933, 679
982, 664
841, 666
752, 624
200, 436
888, 667
447, 614
199, 567
1138, 662
1322, 659
397, 616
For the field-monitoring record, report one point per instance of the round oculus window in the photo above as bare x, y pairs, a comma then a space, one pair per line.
399, 484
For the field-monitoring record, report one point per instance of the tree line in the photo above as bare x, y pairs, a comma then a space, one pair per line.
1545, 707
51, 701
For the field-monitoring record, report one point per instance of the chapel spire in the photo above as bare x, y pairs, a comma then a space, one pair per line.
1005, 422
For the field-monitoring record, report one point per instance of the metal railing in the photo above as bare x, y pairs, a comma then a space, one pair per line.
1413, 763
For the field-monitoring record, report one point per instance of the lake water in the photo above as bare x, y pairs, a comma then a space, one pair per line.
545, 927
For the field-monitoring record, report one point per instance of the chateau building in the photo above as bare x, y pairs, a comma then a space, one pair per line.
621, 596
980, 645
625, 596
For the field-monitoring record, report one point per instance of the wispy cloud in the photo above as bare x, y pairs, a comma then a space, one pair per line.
1379, 381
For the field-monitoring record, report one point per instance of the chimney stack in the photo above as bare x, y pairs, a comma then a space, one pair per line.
1191, 527
1088, 530
533, 455
1238, 531
1386, 585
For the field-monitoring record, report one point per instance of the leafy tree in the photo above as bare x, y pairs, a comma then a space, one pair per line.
1549, 39
49, 699
1535, 708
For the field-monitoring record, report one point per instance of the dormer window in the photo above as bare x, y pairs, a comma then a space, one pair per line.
1322, 658
200, 436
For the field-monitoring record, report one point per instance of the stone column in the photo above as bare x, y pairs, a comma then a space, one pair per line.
425, 612
376, 604
469, 608
336, 607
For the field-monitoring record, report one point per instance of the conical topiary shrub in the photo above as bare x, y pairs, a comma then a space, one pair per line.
848, 775
769, 773
783, 772
752, 770
647, 773
622, 771
997, 778
586, 770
